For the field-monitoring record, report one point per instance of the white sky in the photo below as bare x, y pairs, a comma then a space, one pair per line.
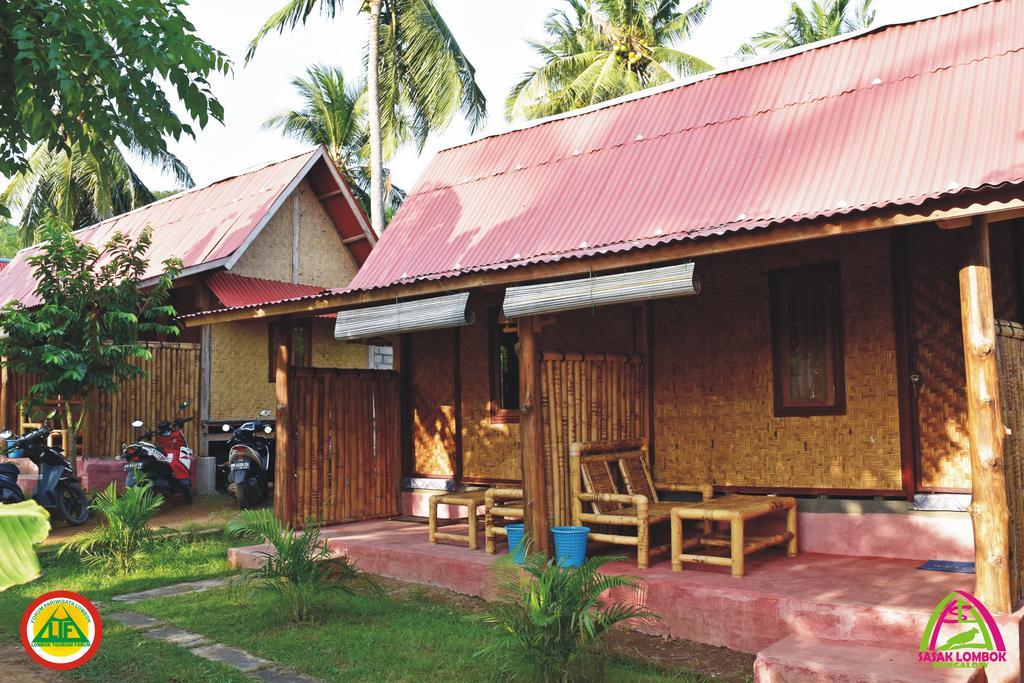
491, 32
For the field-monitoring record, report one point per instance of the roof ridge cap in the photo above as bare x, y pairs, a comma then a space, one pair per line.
697, 78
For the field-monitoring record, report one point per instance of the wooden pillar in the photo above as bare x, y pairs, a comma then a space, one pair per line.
531, 436
985, 430
284, 467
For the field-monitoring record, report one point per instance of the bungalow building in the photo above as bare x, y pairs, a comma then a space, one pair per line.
801, 276
287, 229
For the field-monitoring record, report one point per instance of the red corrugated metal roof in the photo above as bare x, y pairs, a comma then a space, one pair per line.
239, 290
205, 227
897, 115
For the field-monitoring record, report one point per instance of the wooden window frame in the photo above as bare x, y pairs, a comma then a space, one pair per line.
498, 414
784, 406
307, 324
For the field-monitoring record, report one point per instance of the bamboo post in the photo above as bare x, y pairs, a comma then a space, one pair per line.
736, 545
284, 486
989, 506
531, 436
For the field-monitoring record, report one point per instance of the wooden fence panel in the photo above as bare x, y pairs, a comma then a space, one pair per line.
344, 446
586, 397
1010, 351
171, 376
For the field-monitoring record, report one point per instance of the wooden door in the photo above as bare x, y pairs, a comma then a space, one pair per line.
342, 461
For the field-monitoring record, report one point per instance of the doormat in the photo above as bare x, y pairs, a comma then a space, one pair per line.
948, 566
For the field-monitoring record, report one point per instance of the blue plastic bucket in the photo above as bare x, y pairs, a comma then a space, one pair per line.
515, 542
570, 545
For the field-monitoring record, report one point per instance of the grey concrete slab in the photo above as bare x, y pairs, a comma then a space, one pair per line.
133, 620
175, 589
233, 657
176, 636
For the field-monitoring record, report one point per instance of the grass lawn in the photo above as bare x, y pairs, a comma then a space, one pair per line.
413, 633
123, 655
409, 633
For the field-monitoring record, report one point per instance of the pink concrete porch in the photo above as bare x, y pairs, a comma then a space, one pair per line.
877, 607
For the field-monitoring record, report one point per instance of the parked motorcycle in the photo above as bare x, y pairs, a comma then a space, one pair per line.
161, 455
250, 469
57, 489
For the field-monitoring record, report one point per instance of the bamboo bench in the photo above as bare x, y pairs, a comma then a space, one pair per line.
590, 468
500, 503
471, 500
736, 510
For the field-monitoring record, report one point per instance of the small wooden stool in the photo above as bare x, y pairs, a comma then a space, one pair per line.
471, 500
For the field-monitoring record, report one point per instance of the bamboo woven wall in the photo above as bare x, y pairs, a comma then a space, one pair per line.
345, 445
586, 397
172, 376
713, 394
432, 396
490, 451
1010, 352
934, 260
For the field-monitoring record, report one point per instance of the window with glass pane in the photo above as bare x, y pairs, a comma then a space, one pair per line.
504, 370
807, 341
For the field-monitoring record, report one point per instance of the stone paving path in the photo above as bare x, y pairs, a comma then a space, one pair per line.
199, 645
176, 589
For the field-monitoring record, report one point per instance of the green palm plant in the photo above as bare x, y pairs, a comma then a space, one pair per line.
123, 538
79, 188
551, 619
301, 570
598, 50
820, 21
417, 76
333, 114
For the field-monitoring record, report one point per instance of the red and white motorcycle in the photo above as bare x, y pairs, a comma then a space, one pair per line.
162, 456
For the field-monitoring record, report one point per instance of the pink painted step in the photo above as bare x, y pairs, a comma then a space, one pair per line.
801, 659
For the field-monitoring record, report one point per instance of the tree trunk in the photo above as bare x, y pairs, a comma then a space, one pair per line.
985, 430
71, 429
376, 143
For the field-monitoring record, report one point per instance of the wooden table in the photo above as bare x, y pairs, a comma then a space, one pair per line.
736, 510
471, 500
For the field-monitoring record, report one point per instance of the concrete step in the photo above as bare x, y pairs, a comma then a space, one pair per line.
802, 659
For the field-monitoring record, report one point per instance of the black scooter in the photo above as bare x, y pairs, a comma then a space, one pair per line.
57, 490
250, 469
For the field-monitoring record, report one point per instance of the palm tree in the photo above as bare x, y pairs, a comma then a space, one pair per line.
818, 22
602, 49
418, 78
333, 114
80, 188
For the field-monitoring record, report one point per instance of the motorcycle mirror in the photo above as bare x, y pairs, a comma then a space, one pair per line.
52, 414
184, 405
264, 413
267, 429
137, 423
225, 428
6, 434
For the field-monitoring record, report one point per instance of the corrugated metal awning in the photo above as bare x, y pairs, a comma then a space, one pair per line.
406, 316
604, 290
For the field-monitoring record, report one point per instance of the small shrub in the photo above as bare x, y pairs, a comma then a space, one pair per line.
300, 570
550, 623
123, 538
